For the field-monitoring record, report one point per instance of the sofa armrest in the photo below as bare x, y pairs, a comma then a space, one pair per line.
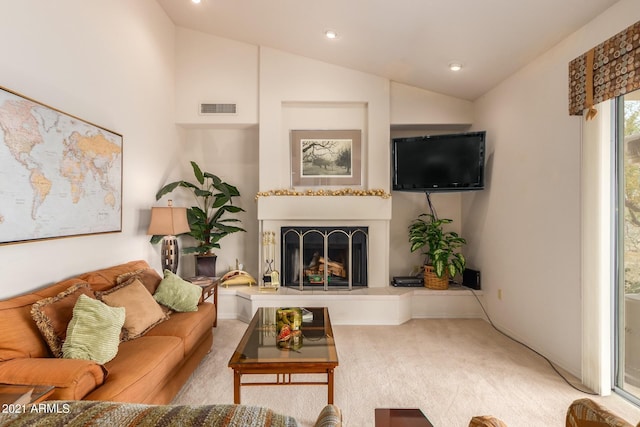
73, 378
330, 416
587, 413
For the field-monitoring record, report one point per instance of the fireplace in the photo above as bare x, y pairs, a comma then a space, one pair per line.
324, 257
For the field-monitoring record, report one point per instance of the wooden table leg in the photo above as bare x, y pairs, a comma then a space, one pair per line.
237, 376
215, 303
330, 386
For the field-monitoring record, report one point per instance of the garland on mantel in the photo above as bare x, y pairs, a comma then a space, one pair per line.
341, 192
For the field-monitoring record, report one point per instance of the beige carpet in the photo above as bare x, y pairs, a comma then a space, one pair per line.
451, 369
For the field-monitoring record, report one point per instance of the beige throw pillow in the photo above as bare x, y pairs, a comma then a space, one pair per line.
142, 312
148, 276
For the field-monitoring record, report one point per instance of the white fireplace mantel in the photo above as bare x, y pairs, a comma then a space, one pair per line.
327, 208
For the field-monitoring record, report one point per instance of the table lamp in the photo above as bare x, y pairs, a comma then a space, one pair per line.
169, 222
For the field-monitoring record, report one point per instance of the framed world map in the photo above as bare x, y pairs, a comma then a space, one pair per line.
60, 176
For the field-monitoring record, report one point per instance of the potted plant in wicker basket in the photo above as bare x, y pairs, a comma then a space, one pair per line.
443, 260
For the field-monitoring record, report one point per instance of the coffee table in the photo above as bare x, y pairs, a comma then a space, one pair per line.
17, 394
258, 353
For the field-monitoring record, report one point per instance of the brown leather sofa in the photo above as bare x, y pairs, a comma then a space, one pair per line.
149, 369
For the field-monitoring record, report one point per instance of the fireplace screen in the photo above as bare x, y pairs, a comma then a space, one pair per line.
324, 257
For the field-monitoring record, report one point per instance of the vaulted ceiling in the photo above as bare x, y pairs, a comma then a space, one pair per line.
408, 41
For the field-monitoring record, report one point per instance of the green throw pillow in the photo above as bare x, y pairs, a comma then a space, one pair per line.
94, 331
178, 294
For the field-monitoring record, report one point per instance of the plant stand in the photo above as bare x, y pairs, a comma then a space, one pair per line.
206, 265
432, 281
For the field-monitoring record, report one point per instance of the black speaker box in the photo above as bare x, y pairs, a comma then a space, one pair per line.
471, 278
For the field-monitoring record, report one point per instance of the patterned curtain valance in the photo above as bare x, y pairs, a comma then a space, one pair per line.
608, 70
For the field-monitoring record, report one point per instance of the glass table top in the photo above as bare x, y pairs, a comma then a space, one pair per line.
259, 345
22, 394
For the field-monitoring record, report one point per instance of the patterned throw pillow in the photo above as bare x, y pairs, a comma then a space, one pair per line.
52, 315
142, 312
178, 294
94, 331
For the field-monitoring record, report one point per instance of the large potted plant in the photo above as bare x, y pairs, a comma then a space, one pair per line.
443, 259
214, 200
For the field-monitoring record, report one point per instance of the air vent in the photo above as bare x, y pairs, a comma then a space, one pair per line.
213, 109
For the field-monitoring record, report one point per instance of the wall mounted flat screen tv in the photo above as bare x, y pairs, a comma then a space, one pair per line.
441, 163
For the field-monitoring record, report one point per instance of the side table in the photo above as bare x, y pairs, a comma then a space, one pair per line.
209, 287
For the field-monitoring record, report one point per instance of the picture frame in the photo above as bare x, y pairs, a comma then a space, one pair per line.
326, 157
60, 175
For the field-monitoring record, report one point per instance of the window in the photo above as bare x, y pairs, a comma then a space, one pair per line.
626, 376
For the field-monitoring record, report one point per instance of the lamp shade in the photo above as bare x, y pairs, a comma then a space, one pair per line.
168, 221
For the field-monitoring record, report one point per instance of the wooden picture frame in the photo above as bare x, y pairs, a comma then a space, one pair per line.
326, 157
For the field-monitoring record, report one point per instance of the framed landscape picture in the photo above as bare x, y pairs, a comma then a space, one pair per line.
326, 157
60, 176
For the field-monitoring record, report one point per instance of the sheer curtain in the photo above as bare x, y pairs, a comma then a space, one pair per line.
597, 244
601, 74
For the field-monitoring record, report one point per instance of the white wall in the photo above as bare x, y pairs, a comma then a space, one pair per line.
109, 62
220, 70
232, 154
524, 228
212, 69
415, 106
290, 80
406, 207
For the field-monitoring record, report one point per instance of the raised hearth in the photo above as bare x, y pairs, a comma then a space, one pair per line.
366, 306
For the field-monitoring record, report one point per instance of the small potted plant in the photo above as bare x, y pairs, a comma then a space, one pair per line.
441, 249
214, 199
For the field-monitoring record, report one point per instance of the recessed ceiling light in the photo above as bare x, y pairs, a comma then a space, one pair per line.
331, 34
455, 66
196, 1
